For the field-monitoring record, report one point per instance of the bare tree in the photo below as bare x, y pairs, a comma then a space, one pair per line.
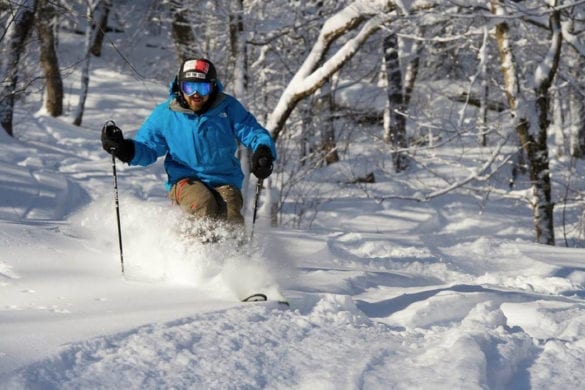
533, 135
101, 27
238, 63
328, 139
89, 32
394, 114
182, 34
45, 25
484, 90
575, 95
576, 126
314, 72
18, 31
238, 51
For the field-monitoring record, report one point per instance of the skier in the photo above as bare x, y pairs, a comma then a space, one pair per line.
197, 128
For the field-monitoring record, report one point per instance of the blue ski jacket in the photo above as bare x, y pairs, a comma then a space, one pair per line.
200, 146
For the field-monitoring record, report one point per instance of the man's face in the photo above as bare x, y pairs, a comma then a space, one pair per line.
195, 101
196, 93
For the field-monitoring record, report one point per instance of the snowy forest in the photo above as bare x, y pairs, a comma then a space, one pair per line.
424, 223
498, 78
425, 220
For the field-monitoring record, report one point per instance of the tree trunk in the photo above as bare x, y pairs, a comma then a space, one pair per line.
238, 65
181, 30
328, 139
101, 27
483, 74
575, 107
577, 125
238, 51
46, 21
536, 147
576, 113
16, 36
540, 171
84, 88
412, 71
560, 140
395, 121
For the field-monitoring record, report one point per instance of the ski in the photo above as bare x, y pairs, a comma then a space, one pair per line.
260, 297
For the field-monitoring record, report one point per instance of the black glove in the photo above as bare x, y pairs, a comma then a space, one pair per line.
114, 143
262, 162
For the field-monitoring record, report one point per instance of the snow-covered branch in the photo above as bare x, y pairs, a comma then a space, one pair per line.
546, 70
572, 39
473, 176
310, 75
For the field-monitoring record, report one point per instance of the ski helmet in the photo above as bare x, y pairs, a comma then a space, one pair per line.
199, 69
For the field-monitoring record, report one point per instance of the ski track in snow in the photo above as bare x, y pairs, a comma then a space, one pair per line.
297, 349
369, 313
402, 316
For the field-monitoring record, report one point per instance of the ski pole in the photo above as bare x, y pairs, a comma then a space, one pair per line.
258, 189
117, 208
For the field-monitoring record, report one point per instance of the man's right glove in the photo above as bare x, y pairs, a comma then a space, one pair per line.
114, 143
262, 162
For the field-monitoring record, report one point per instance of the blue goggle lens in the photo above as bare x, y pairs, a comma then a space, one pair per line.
190, 88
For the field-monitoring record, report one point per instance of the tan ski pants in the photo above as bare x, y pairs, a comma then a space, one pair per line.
222, 202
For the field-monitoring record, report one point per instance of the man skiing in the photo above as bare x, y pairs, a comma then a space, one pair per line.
198, 128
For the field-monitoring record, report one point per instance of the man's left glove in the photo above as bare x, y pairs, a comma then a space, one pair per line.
262, 162
114, 143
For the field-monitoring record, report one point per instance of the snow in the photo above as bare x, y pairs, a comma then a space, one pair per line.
383, 294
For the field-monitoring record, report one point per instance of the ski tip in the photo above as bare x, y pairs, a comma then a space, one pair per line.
258, 297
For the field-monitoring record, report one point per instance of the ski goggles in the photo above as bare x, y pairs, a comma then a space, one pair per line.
191, 88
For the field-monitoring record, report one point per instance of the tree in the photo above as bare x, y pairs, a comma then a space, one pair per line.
314, 71
101, 27
91, 6
328, 139
45, 24
182, 34
533, 135
238, 52
18, 31
238, 63
394, 114
575, 98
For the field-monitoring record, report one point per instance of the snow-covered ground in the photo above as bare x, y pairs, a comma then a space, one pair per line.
397, 294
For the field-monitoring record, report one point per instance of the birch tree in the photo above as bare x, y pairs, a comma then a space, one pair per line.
576, 123
238, 63
238, 51
91, 6
394, 114
575, 95
532, 131
19, 29
484, 90
328, 138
